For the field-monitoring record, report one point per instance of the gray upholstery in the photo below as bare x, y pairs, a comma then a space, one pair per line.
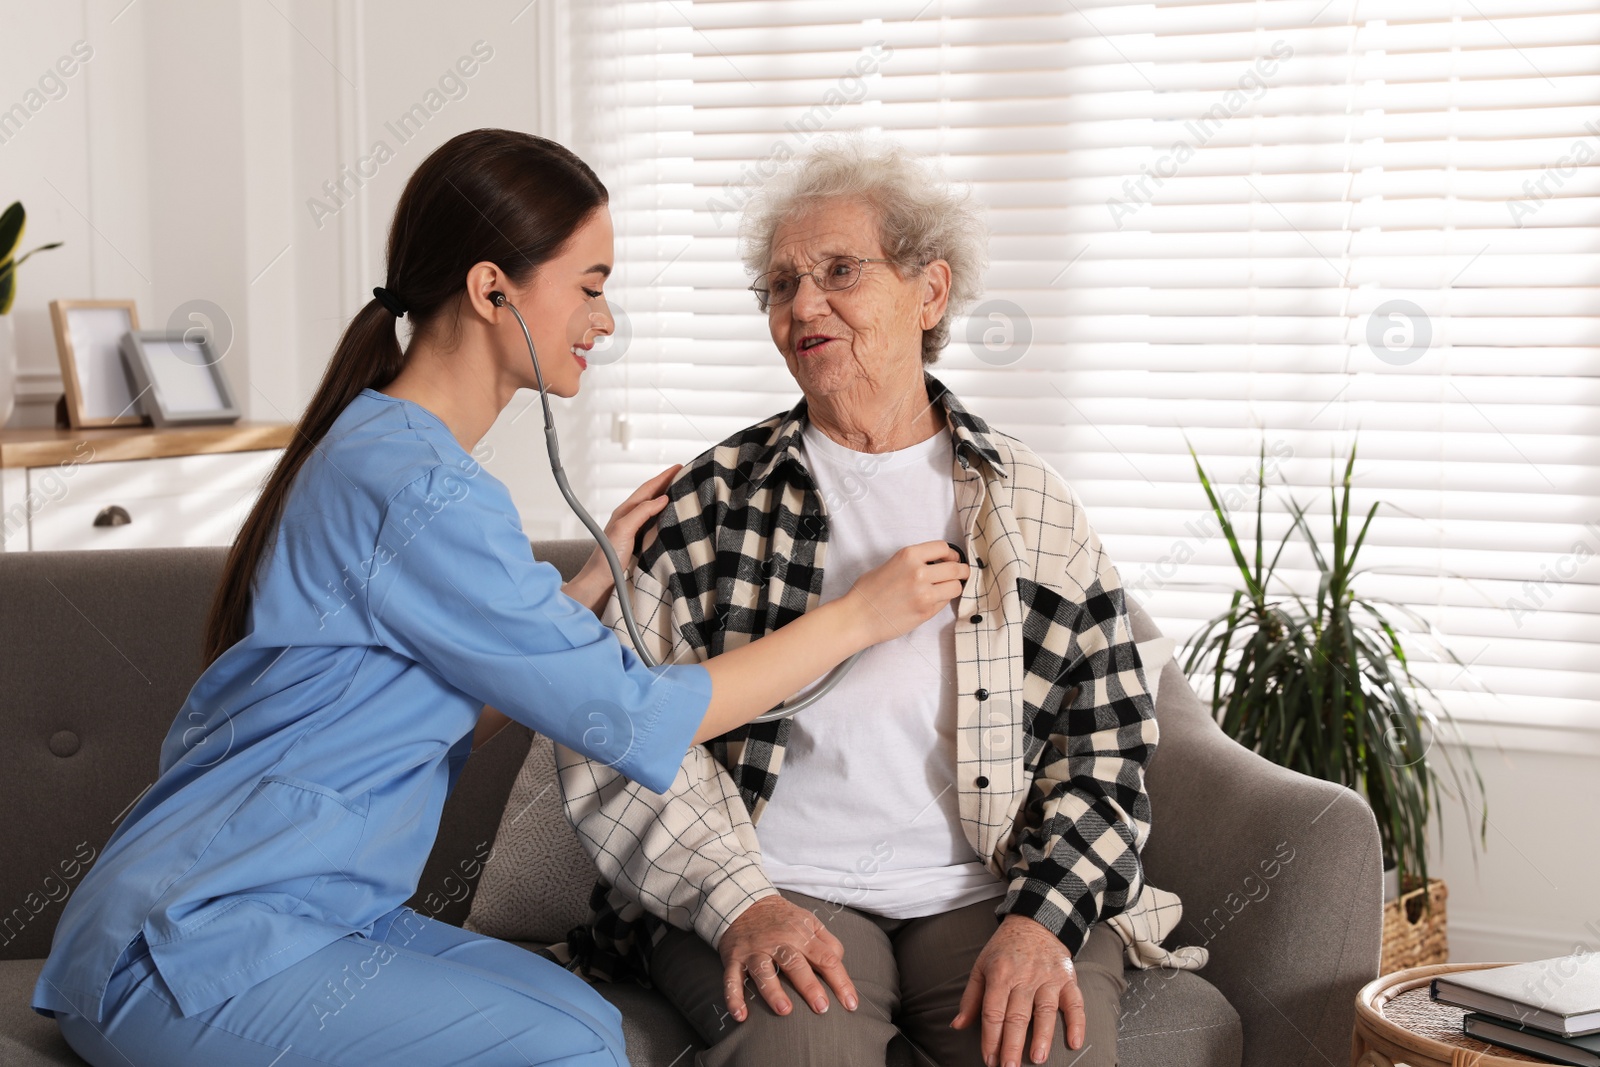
1289, 953
98, 649
26, 1037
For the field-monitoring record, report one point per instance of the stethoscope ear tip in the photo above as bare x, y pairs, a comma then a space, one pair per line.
497, 298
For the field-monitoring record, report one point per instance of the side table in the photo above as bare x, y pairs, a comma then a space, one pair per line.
1397, 1022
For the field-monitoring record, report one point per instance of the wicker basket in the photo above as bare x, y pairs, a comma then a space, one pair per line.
1414, 935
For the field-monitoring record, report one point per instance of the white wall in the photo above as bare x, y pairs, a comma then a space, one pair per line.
178, 165
47, 164
1530, 892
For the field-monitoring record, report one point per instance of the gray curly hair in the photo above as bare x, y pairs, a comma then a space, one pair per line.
922, 217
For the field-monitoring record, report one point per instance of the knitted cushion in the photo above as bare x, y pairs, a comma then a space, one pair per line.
536, 882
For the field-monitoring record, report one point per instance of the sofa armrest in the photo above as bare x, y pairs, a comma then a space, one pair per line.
1281, 878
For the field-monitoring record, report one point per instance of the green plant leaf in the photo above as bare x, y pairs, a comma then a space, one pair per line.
12, 221
8, 276
1221, 513
1261, 492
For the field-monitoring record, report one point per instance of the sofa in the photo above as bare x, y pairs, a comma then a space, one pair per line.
1280, 874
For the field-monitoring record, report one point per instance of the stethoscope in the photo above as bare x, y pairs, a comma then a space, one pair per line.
783, 711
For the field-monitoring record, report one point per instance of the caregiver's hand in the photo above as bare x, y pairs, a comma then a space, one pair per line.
592, 585
907, 589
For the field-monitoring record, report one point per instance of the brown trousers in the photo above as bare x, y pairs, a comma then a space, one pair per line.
909, 973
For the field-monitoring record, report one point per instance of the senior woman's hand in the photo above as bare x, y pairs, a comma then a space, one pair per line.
1024, 974
777, 934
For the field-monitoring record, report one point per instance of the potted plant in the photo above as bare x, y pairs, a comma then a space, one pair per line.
12, 222
1321, 682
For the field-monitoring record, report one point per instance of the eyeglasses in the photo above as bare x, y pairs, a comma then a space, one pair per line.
836, 273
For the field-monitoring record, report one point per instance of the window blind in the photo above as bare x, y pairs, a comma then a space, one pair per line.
1230, 225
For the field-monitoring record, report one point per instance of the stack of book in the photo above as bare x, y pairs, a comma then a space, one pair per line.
1550, 1008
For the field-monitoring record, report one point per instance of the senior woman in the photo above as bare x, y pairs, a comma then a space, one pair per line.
946, 864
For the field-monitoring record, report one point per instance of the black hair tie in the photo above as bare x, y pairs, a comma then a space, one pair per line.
391, 300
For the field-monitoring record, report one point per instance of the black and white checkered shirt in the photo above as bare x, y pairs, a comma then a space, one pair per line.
1055, 725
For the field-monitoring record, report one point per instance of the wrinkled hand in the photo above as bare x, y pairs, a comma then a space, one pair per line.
776, 934
592, 585
1023, 974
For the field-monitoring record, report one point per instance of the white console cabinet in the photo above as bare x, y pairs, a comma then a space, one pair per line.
132, 488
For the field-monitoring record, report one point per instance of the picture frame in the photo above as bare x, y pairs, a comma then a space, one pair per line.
88, 344
177, 378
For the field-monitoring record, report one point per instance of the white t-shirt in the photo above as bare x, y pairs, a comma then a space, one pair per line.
865, 813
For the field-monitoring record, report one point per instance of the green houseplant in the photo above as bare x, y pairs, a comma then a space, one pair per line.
12, 222
1322, 683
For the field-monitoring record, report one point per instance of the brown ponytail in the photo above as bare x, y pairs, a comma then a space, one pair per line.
509, 198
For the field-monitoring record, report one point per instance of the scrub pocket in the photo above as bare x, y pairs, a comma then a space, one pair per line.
288, 847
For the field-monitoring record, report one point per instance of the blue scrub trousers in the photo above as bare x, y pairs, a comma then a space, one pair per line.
414, 991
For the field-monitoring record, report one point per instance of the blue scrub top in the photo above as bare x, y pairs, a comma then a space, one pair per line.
301, 786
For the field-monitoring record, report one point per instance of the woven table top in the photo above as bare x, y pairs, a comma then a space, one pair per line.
1418, 1013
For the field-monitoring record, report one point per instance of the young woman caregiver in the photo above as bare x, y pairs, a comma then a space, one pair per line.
248, 910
